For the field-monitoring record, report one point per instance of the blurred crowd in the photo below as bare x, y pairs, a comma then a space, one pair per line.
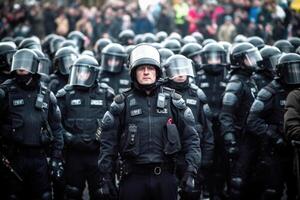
222, 20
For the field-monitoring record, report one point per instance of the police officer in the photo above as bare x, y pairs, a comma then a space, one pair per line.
113, 68
7, 51
178, 69
83, 102
238, 98
30, 122
126, 37
147, 125
212, 81
265, 72
192, 51
284, 46
265, 123
79, 39
63, 60
99, 46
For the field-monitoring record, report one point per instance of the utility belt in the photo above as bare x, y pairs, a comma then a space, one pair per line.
146, 169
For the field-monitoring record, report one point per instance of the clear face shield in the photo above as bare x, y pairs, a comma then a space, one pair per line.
64, 63
112, 63
179, 67
44, 66
82, 75
251, 57
290, 73
25, 62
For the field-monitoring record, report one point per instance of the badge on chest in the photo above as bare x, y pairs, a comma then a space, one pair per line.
76, 102
95, 102
18, 102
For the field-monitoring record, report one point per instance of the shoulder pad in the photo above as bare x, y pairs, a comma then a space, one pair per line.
257, 106
189, 116
229, 99
107, 120
178, 101
68, 87
201, 95
264, 94
167, 90
193, 86
118, 104
234, 86
7, 85
53, 98
62, 92
53, 76
104, 85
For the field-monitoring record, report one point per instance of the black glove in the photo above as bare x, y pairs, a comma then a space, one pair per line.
56, 169
108, 189
230, 145
187, 183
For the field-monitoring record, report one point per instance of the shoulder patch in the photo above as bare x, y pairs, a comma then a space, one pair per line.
264, 94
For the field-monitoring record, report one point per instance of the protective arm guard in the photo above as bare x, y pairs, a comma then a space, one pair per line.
108, 135
189, 137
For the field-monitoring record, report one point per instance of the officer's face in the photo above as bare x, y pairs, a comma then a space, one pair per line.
113, 62
146, 74
84, 75
180, 79
22, 72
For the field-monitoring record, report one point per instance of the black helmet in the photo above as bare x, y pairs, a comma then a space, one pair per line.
198, 36
295, 41
7, 51
68, 43
256, 41
113, 58
88, 53
79, 38
173, 45
284, 46
44, 63
189, 39
126, 37
144, 54
165, 54
244, 55
175, 36
213, 57
7, 39
18, 40
84, 72
156, 45
207, 41
138, 39
30, 43
288, 69
25, 59
298, 50
46, 43
149, 38
161, 36
270, 56
55, 44
100, 44
178, 65
192, 51
64, 59
239, 39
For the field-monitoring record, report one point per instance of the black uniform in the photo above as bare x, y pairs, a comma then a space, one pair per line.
23, 125
120, 82
81, 110
57, 82
261, 79
273, 158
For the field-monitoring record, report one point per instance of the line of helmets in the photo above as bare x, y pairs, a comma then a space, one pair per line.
189, 55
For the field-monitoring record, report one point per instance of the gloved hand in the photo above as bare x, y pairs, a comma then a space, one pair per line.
230, 145
108, 189
56, 168
187, 183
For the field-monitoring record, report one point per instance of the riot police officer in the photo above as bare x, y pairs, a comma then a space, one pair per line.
79, 39
99, 46
237, 100
212, 81
82, 102
192, 51
126, 37
284, 46
147, 125
264, 74
7, 51
178, 69
30, 122
265, 122
113, 70
63, 60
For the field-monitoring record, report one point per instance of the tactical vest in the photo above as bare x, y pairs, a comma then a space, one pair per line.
120, 82
26, 120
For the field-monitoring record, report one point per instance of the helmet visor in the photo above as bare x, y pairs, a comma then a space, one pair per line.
82, 75
112, 63
274, 60
214, 58
44, 66
291, 73
179, 67
64, 63
251, 57
24, 62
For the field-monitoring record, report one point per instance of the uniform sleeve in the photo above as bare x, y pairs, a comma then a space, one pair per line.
190, 140
292, 116
230, 105
260, 107
54, 119
109, 135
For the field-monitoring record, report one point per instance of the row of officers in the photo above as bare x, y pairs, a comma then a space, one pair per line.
203, 124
